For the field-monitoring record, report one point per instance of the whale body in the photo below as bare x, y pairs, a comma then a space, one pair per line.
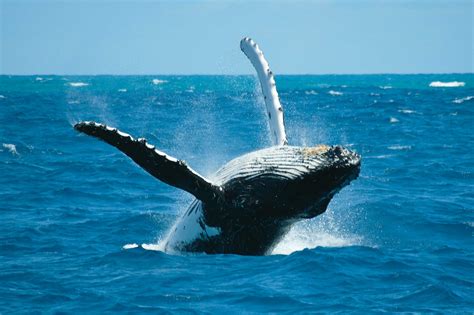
254, 199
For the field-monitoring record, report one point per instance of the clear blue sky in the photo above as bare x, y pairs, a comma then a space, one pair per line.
202, 37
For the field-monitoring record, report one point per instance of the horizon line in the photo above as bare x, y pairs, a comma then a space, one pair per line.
236, 74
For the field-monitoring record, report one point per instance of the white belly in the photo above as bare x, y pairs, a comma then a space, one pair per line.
188, 228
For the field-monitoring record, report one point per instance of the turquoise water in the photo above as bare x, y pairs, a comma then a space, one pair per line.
398, 239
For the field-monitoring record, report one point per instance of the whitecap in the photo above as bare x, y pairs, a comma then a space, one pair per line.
311, 92
39, 79
385, 87
399, 147
122, 90
130, 246
406, 111
447, 84
73, 102
378, 157
335, 93
78, 84
393, 120
158, 81
11, 148
464, 99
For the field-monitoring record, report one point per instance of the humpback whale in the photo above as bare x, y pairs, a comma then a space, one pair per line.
254, 199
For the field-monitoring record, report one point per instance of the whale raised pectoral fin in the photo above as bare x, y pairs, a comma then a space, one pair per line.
167, 169
268, 85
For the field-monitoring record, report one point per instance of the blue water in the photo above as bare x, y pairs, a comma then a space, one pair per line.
399, 238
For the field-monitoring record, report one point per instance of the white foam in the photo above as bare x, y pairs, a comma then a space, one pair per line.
78, 84
378, 157
73, 102
122, 90
311, 92
39, 79
406, 111
399, 147
447, 84
335, 93
155, 247
11, 148
158, 81
385, 87
130, 246
393, 120
308, 234
464, 99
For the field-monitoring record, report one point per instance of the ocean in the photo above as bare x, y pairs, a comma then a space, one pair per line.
81, 225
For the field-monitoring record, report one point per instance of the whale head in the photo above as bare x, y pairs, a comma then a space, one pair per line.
287, 183
328, 170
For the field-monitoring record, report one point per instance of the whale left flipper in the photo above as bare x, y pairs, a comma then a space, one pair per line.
168, 169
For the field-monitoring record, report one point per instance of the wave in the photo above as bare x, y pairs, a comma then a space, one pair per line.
11, 148
447, 84
130, 246
335, 93
400, 147
385, 87
158, 81
406, 111
122, 90
464, 99
393, 120
78, 84
311, 92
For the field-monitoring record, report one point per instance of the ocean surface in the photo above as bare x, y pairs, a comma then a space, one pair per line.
81, 225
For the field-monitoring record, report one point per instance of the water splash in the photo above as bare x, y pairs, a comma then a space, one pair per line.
324, 231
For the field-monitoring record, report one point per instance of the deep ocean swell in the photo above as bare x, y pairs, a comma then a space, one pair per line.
81, 225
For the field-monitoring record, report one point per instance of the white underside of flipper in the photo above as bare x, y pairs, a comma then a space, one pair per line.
270, 94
